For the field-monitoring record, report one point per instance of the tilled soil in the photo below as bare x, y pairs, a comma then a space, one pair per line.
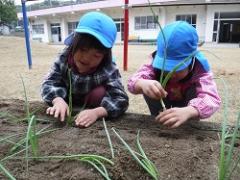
188, 152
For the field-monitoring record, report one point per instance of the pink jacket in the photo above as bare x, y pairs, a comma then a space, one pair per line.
207, 100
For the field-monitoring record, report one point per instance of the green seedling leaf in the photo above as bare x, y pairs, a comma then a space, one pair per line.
14, 154
146, 161
108, 137
92, 159
164, 39
6, 172
229, 160
70, 119
98, 157
226, 161
23, 141
34, 139
169, 75
11, 136
30, 136
222, 162
95, 163
26, 99
149, 171
18, 145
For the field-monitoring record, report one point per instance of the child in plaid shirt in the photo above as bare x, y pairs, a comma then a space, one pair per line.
95, 79
191, 91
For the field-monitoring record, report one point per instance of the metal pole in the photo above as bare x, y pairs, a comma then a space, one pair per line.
125, 48
25, 23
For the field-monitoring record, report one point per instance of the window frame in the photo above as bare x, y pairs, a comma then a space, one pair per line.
72, 26
37, 29
190, 18
145, 22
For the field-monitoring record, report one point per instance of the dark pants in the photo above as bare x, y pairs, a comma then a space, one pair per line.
155, 106
95, 96
91, 100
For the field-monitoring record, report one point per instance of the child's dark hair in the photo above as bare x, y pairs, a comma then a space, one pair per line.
87, 41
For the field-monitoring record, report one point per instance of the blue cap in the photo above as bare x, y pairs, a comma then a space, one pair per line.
182, 41
98, 25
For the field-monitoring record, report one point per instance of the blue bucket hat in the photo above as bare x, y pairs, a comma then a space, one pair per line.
182, 41
98, 25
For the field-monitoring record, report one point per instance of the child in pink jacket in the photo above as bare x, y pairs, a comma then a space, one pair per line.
191, 92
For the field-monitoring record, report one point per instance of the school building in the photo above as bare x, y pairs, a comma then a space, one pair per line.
215, 20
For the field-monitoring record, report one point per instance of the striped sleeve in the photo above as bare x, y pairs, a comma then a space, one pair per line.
53, 84
116, 100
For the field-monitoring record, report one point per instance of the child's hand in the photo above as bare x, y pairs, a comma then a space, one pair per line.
151, 88
175, 117
60, 108
87, 117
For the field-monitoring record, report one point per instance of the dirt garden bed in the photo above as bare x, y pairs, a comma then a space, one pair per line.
189, 152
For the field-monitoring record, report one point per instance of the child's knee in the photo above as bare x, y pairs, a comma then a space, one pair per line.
95, 96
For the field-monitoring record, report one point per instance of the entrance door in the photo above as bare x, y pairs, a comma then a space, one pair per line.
230, 31
120, 25
226, 27
56, 32
224, 32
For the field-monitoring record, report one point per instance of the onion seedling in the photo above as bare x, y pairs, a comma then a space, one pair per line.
70, 119
108, 137
6, 172
141, 157
95, 160
226, 161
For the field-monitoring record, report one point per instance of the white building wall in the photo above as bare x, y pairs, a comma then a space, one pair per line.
166, 14
114, 12
63, 19
46, 37
41, 37
162, 16
200, 11
64, 28
210, 17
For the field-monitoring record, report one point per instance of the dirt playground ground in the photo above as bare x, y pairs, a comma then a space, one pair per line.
189, 152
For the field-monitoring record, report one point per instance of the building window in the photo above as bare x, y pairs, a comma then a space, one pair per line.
190, 18
146, 22
37, 29
72, 26
119, 24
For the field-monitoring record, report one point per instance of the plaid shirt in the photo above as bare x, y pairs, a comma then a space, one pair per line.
56, 84
207, 100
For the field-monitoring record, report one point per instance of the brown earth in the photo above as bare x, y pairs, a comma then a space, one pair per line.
189, 152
